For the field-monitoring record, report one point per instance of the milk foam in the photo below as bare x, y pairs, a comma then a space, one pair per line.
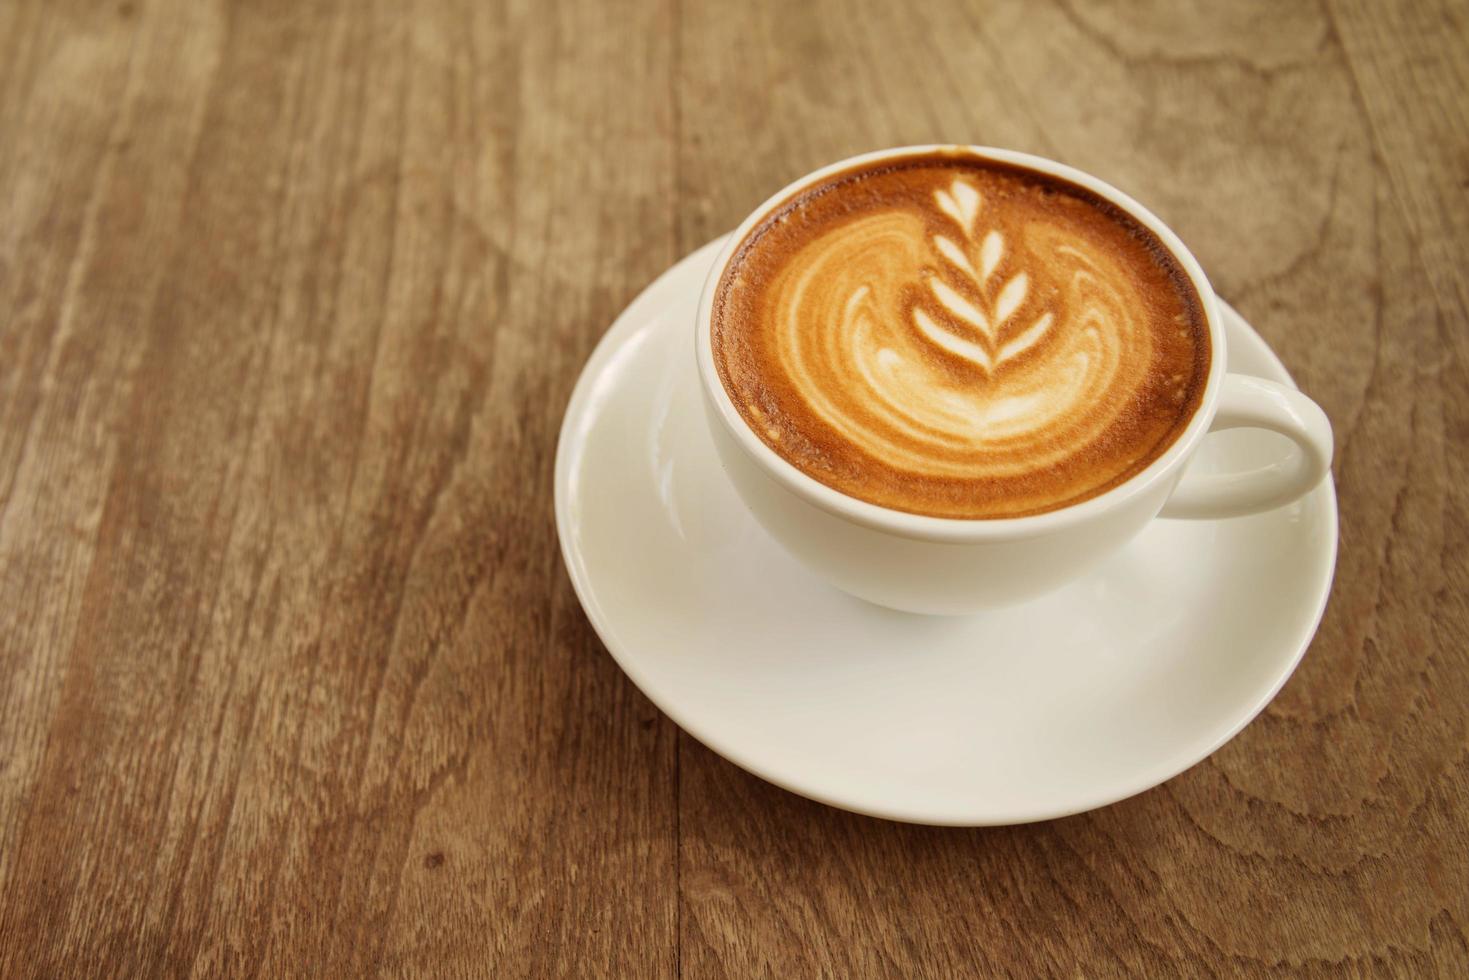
951, 342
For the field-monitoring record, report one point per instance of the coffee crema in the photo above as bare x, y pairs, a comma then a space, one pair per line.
951, 336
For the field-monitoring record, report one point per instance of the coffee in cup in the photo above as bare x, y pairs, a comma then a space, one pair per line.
959, 337
947, 378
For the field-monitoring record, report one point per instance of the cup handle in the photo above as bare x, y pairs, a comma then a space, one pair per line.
1248, 402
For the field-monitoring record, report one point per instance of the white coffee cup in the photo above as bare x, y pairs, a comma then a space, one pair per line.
927, 564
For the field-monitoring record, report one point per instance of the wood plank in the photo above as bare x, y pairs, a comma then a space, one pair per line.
327, 703
1410, 62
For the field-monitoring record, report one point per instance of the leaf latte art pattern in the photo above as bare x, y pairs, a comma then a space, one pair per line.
962, 203
963, 343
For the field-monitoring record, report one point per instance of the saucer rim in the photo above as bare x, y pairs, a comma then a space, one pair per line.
576, 416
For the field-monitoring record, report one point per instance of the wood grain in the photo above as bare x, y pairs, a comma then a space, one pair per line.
291, 299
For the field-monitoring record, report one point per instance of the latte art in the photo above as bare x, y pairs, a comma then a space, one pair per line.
957, 338
962, 203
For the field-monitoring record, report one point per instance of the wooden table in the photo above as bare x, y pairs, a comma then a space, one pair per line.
292, 295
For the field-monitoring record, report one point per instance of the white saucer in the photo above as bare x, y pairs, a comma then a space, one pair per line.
1073, 701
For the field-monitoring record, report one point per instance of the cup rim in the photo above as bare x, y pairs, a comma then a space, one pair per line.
953, 529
